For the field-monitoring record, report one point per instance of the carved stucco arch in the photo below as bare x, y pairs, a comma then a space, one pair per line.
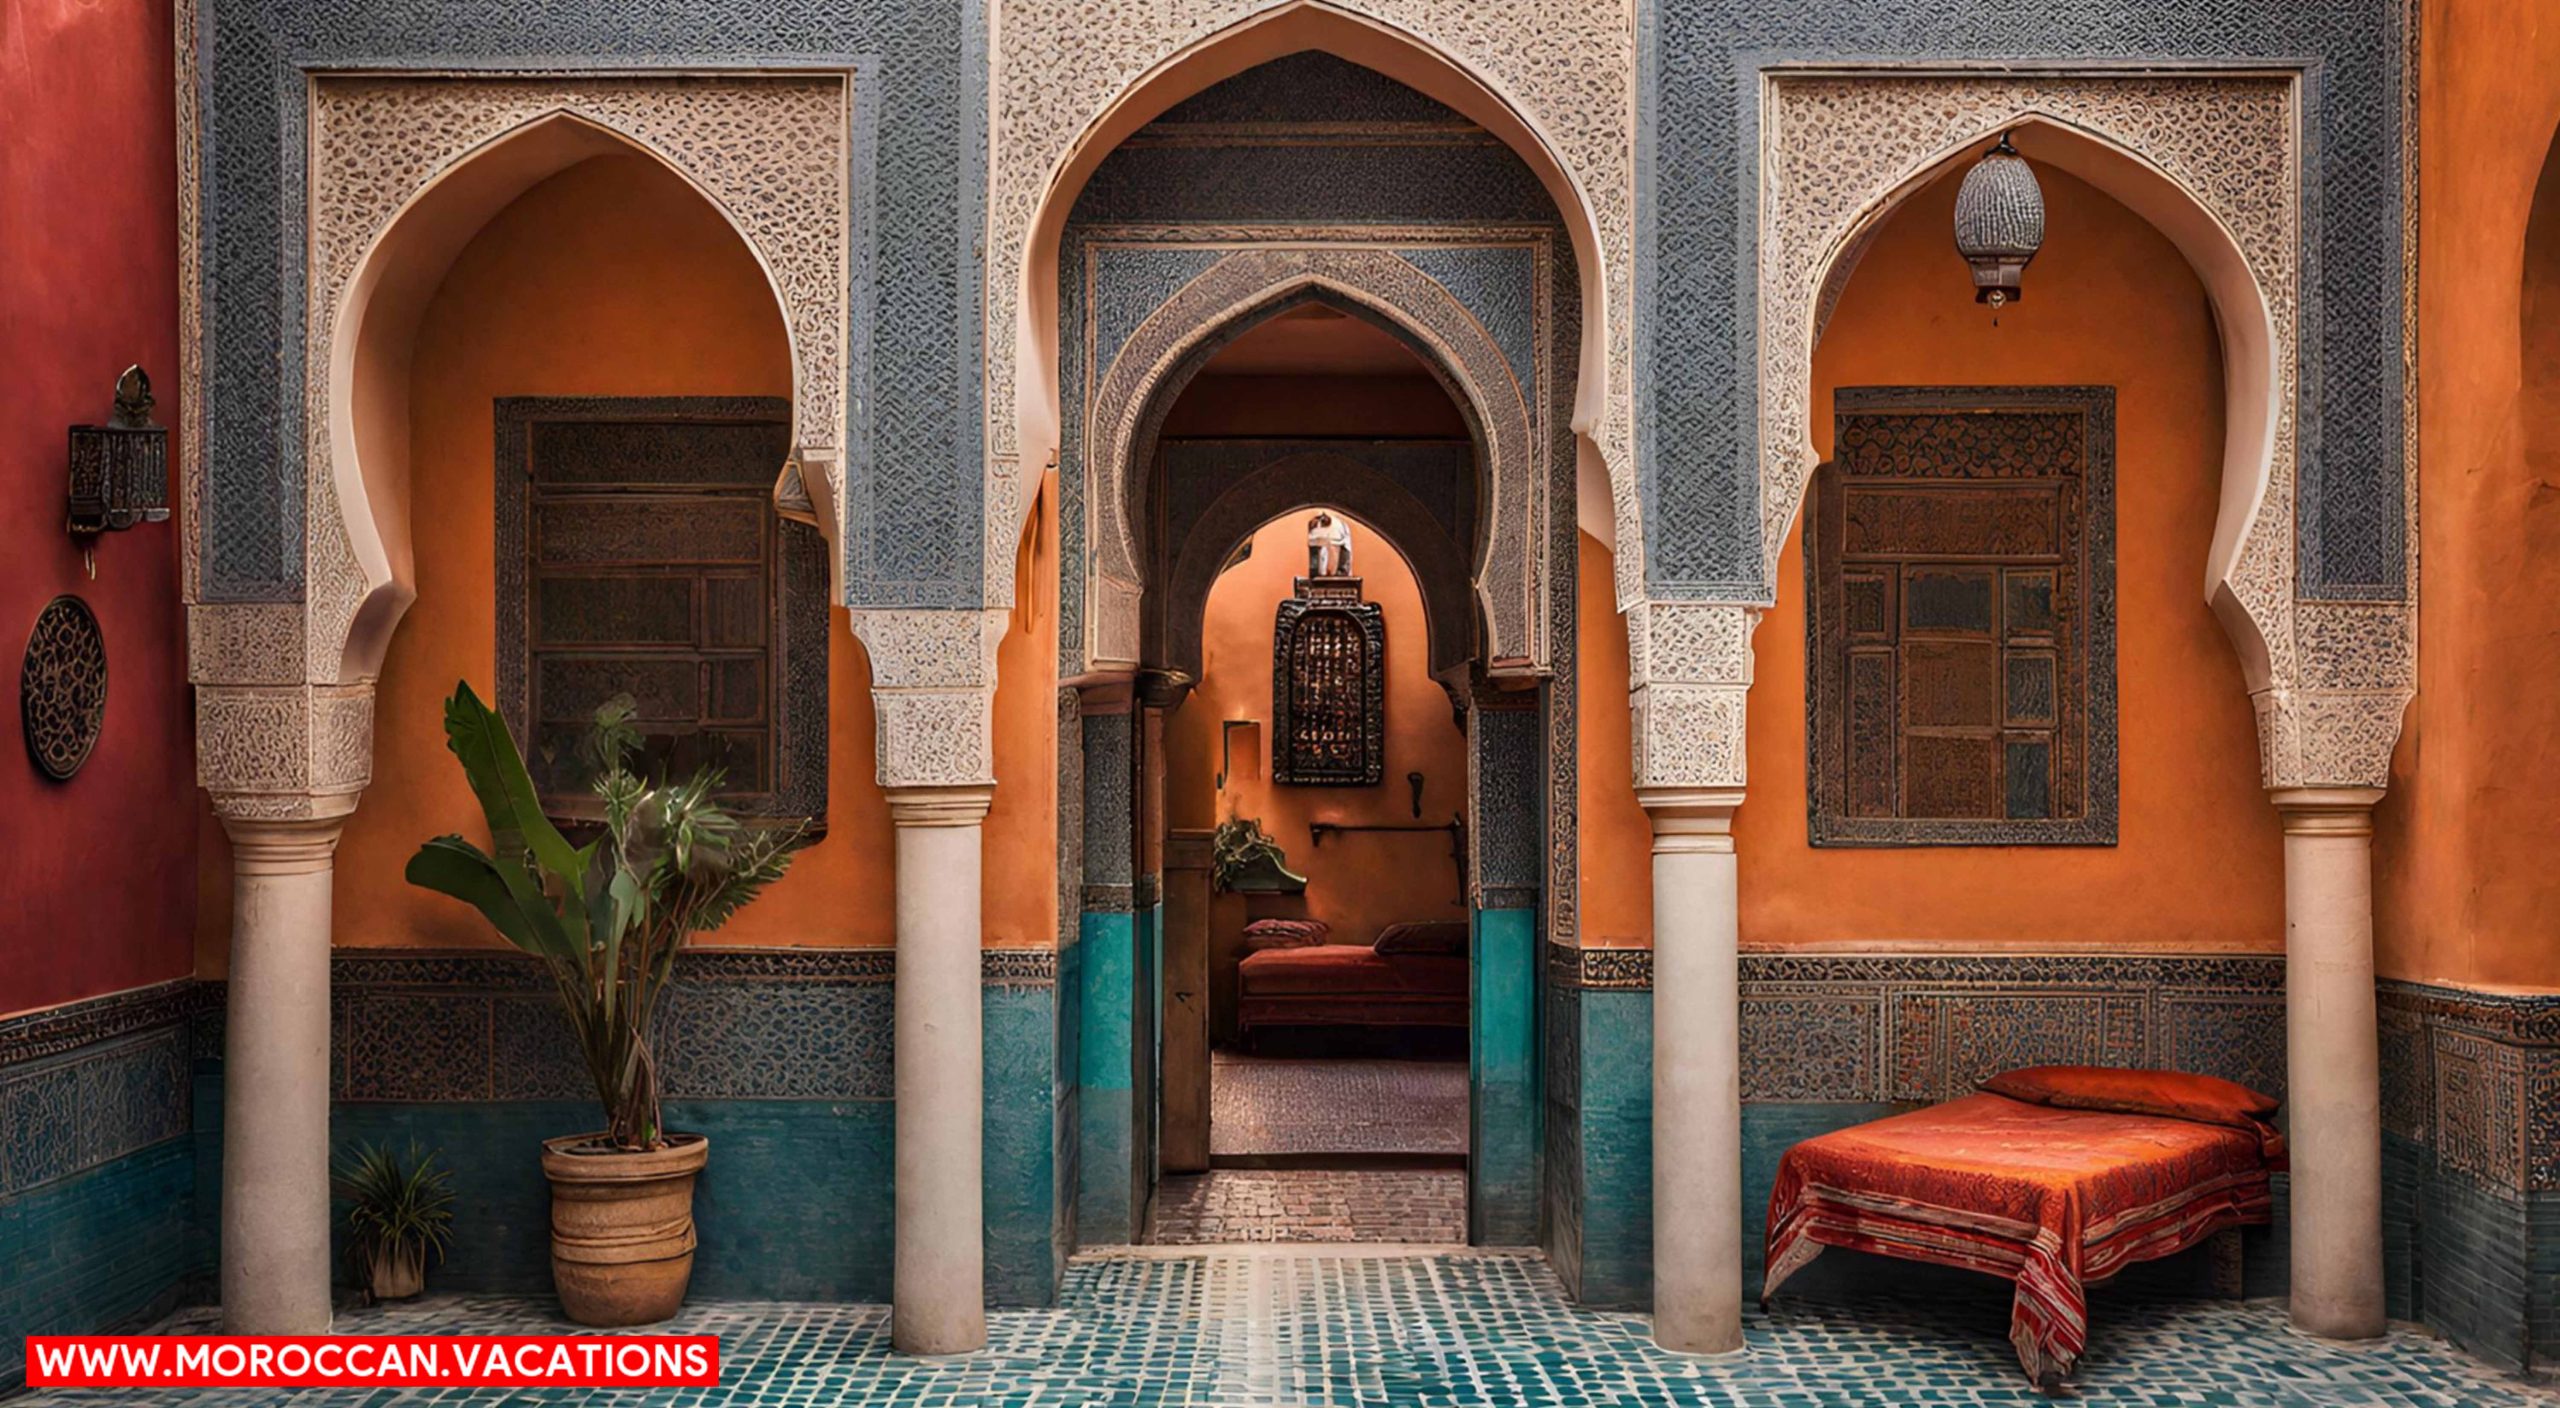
284, 710
1555, 82
2215, 160
1295, 482
1245, 288
406, 169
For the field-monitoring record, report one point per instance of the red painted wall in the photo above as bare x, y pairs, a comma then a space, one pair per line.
99, 873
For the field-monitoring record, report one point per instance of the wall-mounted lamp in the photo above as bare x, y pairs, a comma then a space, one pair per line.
1999, 223
119, 470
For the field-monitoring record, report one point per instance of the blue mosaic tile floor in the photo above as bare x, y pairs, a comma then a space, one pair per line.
1440, 1330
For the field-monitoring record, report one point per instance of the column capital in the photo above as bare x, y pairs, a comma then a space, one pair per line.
2326, 811
1690, 818
1164, 689
940, 806
284, 845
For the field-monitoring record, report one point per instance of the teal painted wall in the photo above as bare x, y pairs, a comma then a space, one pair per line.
1616, 1216
97, 1250
795, 1204
1107, 1107
1502, 1031
1020, 1151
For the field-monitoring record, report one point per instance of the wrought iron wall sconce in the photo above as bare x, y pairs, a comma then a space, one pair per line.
119, 470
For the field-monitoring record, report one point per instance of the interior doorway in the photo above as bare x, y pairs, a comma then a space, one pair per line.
1315, 802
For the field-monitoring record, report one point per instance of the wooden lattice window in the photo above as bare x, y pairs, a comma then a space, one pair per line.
639, 553
1959, 556
1329, 690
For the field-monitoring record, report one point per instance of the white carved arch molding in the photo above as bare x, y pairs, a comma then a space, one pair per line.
402, 170
2215, 160
1132, 394
1556, 82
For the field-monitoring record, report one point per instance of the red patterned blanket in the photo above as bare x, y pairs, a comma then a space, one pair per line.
2053, 1199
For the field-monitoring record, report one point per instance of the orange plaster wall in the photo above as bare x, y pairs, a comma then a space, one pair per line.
610, 279
2464, 888
1358, 883
1616, 839
1018, 890
2199, 863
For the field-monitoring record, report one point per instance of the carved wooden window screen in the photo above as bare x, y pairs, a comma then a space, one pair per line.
648, 560
1328, 694
1959, 555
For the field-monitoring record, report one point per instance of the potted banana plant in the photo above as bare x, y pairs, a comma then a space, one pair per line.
606, 919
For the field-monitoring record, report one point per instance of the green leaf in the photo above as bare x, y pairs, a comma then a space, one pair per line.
478, 737
450, 865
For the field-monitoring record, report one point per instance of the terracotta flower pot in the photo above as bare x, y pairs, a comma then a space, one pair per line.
396, 1272
621, 1227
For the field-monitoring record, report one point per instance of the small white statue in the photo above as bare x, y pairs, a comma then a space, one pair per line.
1328, 546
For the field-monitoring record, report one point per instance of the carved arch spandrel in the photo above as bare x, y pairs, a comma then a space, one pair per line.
2215, 159
1131, 395
771, 153
1555, 82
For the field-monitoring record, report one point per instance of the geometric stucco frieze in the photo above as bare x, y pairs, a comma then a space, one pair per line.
1567, 71
284, 751
933, 677
1842, 147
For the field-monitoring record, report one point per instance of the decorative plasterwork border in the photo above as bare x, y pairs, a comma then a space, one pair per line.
1259, 271
933, 688
1568, 72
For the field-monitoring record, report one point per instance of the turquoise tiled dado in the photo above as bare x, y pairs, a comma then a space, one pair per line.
1107, 1206
795, 1203
96, 1249
1617, 1148
1484, 1330
1502, 1172
1020, 1150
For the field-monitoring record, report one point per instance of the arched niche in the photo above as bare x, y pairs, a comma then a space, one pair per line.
405, 171
1243, 290
1302, 482
1072, 111
2165, 150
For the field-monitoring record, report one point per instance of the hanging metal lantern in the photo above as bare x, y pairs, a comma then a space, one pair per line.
1999, 223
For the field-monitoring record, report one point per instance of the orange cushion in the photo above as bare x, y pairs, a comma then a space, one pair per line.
2177, 1095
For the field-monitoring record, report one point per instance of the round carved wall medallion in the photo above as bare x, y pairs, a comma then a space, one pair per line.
62, 687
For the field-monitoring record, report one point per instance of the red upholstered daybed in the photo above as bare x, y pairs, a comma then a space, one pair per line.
1380, 984
2045, 1191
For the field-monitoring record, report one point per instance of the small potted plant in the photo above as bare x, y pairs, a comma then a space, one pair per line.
606, 919
399, 1212
1244, 858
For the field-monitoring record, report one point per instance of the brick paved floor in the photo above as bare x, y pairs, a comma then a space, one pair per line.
1423, 1207
1238, 1329
1265, 1105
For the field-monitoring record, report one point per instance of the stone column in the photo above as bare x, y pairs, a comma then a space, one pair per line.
2333, 1070
938, 1286
275, 1079
1697, 1076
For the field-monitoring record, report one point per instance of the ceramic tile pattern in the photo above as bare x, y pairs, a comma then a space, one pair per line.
1266, 1105
1424, 1207
1423, 1331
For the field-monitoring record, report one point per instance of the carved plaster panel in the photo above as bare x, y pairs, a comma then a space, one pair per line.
933, 678
1569, 72
288, 751
772, 153
1689, 672
1129, 401
1839, 147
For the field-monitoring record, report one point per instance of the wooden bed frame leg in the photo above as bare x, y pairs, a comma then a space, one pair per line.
2223, 1252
